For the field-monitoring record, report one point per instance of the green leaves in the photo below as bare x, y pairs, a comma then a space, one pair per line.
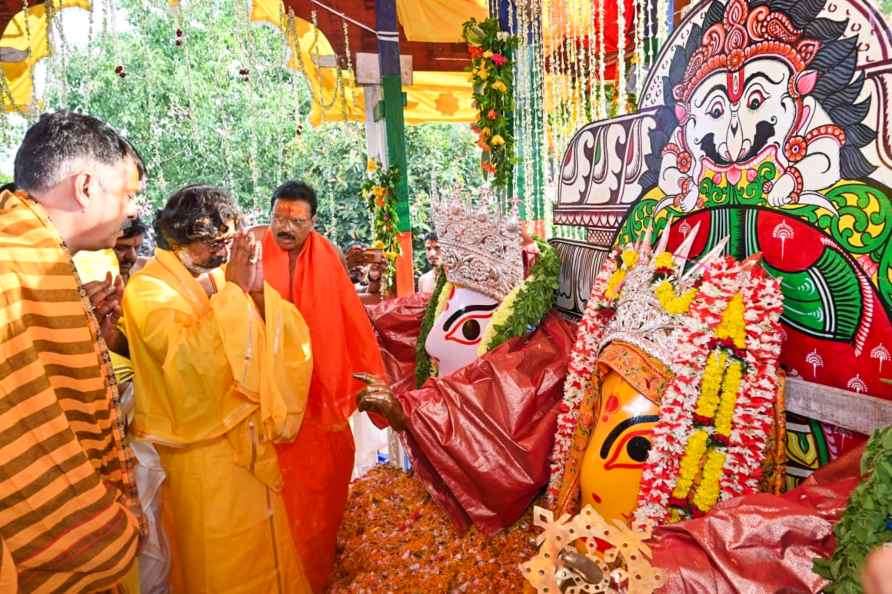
535, 299
423, 367
865, 522
194, 118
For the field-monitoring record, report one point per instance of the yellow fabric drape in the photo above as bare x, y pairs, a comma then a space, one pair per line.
16, 35
203, 365
215, 385
433, 96
438, 21
94, 265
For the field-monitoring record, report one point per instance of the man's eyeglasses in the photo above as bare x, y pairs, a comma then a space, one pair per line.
294, 223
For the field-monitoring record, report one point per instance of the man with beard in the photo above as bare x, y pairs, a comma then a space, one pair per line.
69, 515
309, 271
127, 247
221, 371
427, 282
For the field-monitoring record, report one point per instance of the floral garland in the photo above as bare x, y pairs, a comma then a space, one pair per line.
697, 460
700, 452
526, 305
424, 367
379, 191
492, 78
866, 522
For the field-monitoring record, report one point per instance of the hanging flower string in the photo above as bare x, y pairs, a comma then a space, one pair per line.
379, 191
492, 77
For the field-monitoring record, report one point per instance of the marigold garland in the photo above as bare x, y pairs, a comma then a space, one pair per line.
711, 386
690, 463
492, 80
630, 258
614, 284
672, 303
664, 260
379, 191
725, 413
708, 490
732, 326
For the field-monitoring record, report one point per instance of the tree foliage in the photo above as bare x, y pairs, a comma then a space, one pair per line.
221, 107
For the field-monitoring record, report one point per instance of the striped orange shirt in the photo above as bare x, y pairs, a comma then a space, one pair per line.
69, 513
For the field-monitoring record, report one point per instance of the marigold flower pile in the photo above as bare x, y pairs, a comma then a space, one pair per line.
396, 539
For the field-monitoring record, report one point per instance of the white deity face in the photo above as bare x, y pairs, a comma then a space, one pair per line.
736, 117
453, 340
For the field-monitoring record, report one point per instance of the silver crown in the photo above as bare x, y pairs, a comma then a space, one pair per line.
640, 319
479, 245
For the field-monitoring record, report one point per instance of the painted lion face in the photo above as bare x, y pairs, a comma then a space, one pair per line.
737, 130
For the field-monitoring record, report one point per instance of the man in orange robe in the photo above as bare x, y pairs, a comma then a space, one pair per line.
309, 271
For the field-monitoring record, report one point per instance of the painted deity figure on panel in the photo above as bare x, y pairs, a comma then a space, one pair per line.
767, 134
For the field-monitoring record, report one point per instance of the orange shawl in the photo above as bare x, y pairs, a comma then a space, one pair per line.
340, 330
317, 466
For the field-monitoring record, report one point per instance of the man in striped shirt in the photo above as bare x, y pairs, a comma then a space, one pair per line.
69, 516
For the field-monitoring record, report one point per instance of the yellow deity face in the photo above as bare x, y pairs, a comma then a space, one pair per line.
619, 445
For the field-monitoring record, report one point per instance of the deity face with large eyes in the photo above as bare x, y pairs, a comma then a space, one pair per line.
736, 118
617, 450
453, 340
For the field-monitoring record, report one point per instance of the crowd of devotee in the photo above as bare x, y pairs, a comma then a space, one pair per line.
186, 407
182, 418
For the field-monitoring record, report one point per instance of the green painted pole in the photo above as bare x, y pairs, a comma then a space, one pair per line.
394, 122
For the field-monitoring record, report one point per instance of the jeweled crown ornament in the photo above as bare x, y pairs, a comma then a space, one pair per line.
479, 244
640, 318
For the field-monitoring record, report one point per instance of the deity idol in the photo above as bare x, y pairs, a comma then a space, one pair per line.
490, 366
766, 121
674, 417
671, 397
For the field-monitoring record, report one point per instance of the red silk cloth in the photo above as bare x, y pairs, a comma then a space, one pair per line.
317, 465
480, 438
397, 324
761, 542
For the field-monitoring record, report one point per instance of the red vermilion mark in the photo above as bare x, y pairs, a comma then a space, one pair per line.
610, 407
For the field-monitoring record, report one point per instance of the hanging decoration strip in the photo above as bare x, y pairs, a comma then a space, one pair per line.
621, 57
492, 77
602, 63
639, 47
379, 192
662, 22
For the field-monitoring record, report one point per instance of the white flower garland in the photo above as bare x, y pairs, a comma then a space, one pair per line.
621, 57
746, 448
